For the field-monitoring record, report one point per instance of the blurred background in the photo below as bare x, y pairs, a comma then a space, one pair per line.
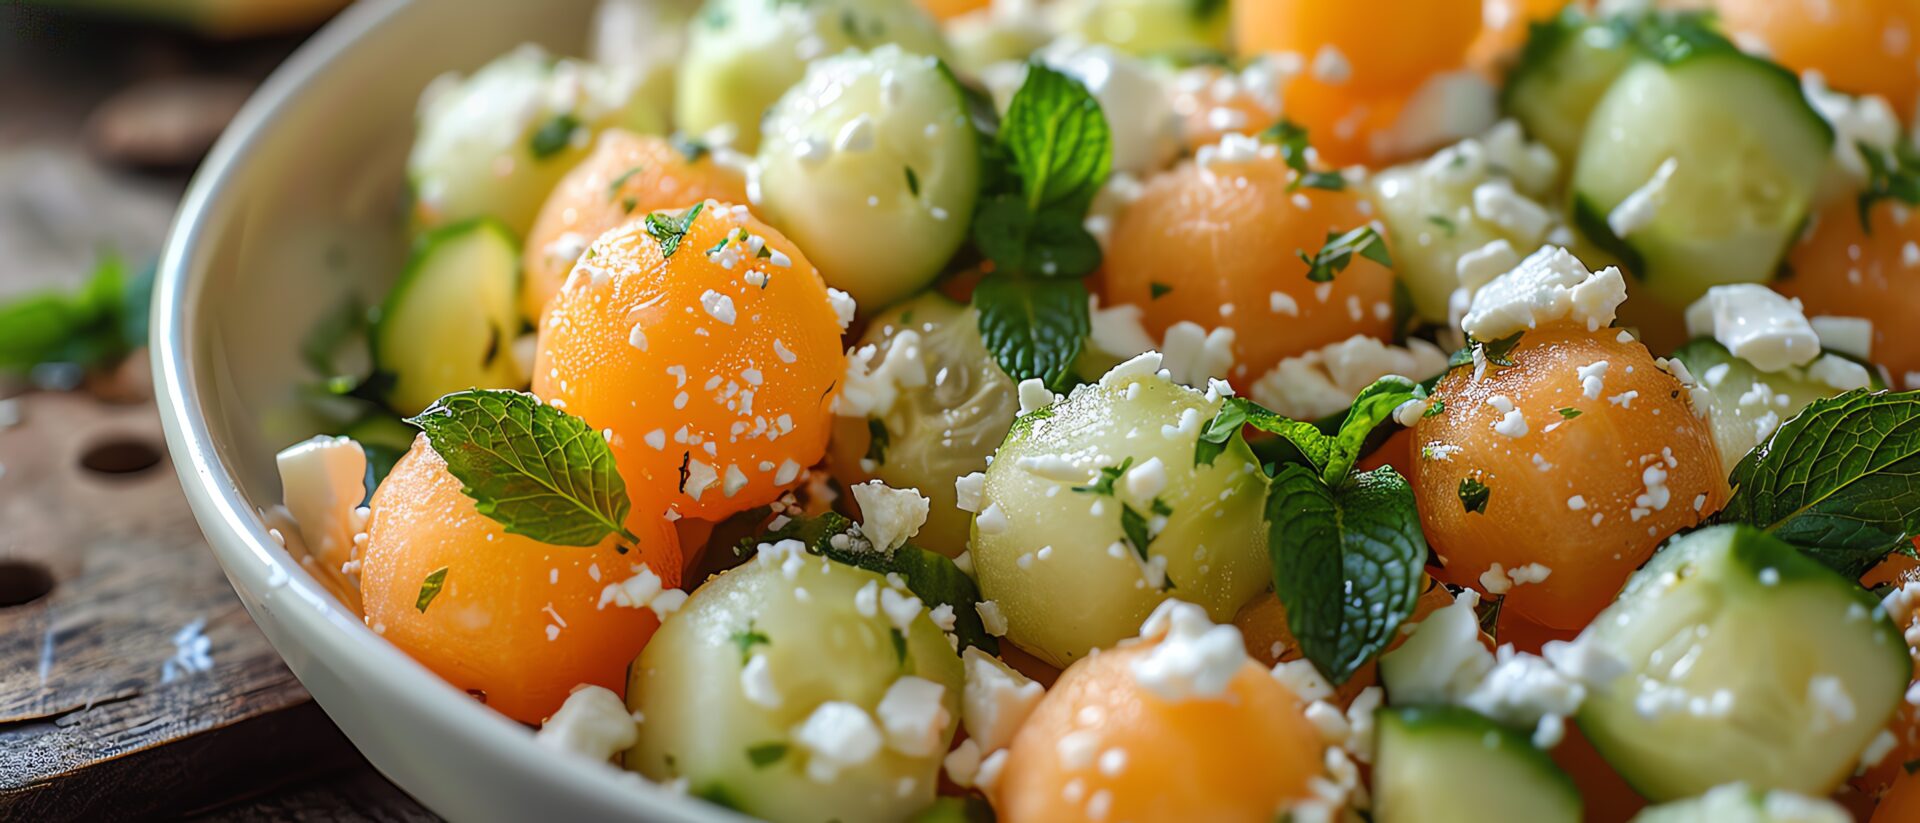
135, 686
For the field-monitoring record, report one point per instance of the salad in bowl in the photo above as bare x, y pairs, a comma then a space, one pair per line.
1142, 410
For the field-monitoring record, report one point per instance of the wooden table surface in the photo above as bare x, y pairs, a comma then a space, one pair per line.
132, 683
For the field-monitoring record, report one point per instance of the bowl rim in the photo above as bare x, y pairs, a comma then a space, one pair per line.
254, 563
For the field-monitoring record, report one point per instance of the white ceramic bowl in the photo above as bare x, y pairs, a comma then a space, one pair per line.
301, 203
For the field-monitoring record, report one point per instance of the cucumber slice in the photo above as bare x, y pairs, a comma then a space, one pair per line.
1748, 154
1440, 764
1564, 69
1737, 803
1746, 661
450, 323
1747, 403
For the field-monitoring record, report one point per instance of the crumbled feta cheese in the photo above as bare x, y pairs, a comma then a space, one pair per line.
1193, 658
1496, 202
592, 722
1756, 324
1324, 381
1478, 267
1855, 120
1831, 703
1449, 106
643, 590
1592, 378
900, 609
889, 516
1301, 678
1146, 481
718, 305
991, 619
1034, 395
843, 305
323, 481
756, 683
1140, 366
967, 490
996, 700
991, 520
870, 390
1192, 355
1638, 209
1448, 659
1117, 330
913, 716
836, 736
1840, 373
1852, 336
963, 763
1330, 65
1549, 285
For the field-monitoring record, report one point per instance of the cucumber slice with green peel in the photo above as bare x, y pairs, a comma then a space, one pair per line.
1737, 803
1564, 69
1747, 404
1441, 764
1746, 661
1748, 153
450, 323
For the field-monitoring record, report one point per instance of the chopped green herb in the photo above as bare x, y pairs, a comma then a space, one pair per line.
1160, 507
1489, 613
1339, 250
613, 188
1569, 413
553, 137
628, 204
1444, 224
1500, 352
1134, 525
747, 638
1291, 137
1435, 409
878, 440
913, 182
690, 148
1158, 290
1474, 495
720, 245
766, 754
1890, 176
899, 645
1108, 475
430, 588
669, 231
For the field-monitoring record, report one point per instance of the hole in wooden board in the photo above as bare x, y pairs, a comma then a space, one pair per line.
120, 456
22, 582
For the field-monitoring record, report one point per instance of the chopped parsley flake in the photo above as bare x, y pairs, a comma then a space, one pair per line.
1474, 495
766, 754
613, 188
430, 588
1435, 409
913, 182
1569, 413
746, 639
1158, 290
1110, 474
553, 137
1338, 252
1444, 224
669, 231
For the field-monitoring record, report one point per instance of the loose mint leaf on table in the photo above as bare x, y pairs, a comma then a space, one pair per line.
931, 576
1034, 328
534, 469
94, 325
1347, 562
1841, 480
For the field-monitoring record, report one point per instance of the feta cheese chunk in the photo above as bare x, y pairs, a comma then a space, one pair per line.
913, 717
323, 482
1756, 324
1548, 286
996, 701
1193, 658
593, 722
889, 516
1852, 336
836, 736
1324, 382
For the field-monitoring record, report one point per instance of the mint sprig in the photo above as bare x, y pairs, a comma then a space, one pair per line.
929, 575
1291, 139
1347, 548
1051, 155
530, 467
1840, 481
1891, 175
1347, 562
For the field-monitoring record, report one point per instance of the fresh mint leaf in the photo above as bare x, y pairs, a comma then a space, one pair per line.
430, 588
553, 136
1158, 290
1103, 485
900, 644
1339, 250
669, 231
913, 182
1020, 242
1373, 406
929, 575
614, 186
1474, 495
1840, 481
1033, 328
1215, 435
766, 754
92, 326
1435, 409
1347, 562
532, 468
691, 148
1059, 141
1291, 139
1133, 525
1569, 413
1313, 444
